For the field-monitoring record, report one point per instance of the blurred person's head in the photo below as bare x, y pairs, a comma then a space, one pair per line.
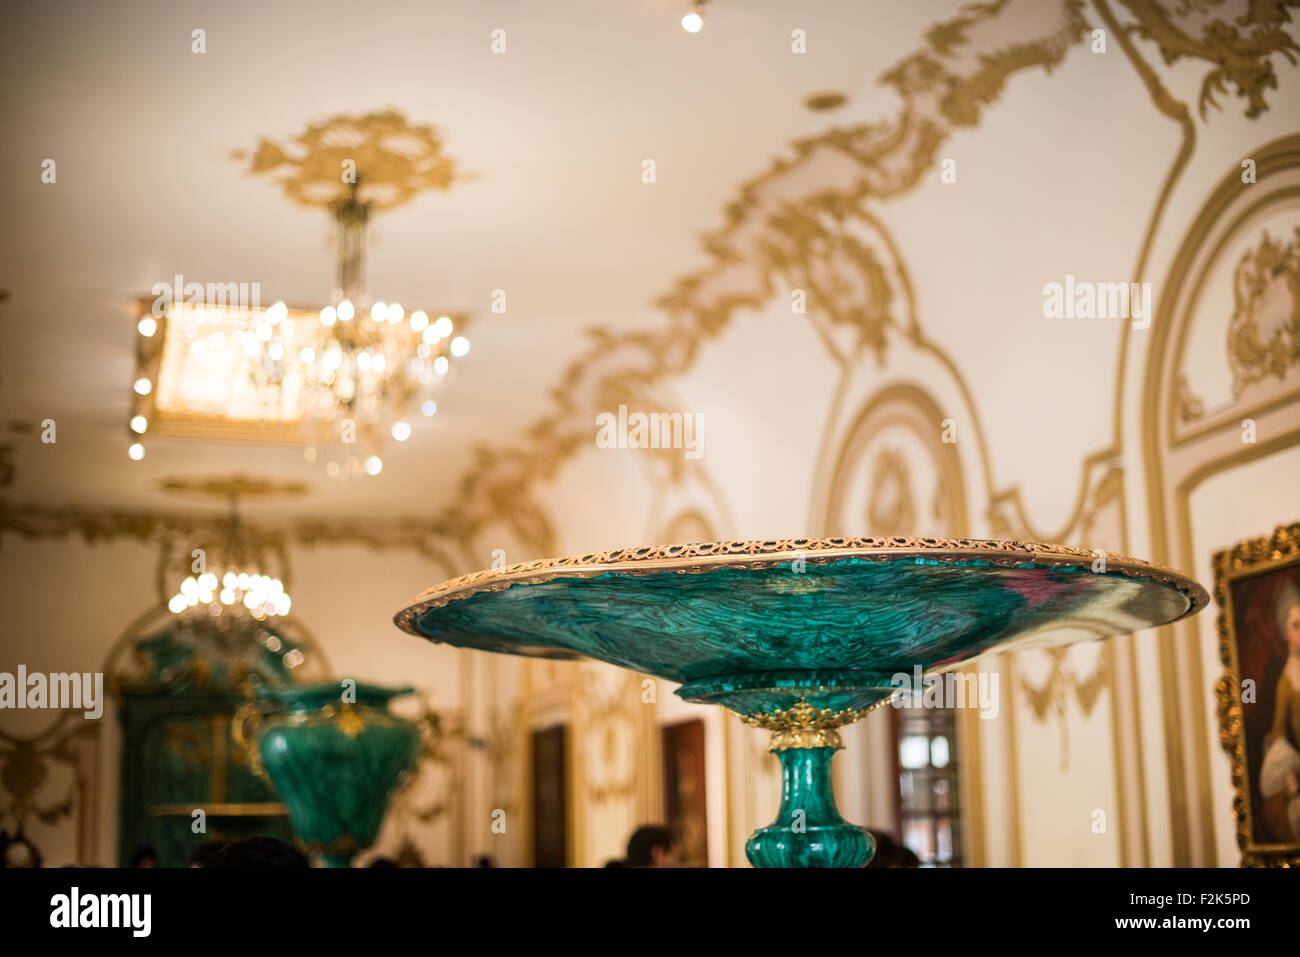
652, 846
200, 854
145, 856
258, 852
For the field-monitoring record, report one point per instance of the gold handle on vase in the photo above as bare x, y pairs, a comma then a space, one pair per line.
245, 726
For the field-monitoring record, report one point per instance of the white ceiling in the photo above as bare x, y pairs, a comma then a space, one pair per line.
555, 131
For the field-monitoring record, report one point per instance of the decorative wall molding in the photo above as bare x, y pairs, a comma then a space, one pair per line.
1177, 460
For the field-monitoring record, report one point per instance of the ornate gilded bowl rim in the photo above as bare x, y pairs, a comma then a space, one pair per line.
701, 557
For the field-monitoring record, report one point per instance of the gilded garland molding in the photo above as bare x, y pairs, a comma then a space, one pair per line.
177, 529
1051, 698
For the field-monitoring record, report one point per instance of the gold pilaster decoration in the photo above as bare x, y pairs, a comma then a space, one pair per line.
803, 726
30, 521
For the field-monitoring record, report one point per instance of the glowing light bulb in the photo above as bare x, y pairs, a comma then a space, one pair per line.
459, 346
378, 311
692, 22
328, 315
401, 431
147, 326
143, 386
419, 321
136, 451
346, 310
139, 424
374, 465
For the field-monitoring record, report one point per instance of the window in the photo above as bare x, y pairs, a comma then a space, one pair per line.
928, 799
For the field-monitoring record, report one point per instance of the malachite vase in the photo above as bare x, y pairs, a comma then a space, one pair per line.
802, 636
336, 755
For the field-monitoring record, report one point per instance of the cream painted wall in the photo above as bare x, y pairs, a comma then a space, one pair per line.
1060, 175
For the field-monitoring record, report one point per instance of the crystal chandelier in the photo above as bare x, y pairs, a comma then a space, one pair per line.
233, 584
369, 369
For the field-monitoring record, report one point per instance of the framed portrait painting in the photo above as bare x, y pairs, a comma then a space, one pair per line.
1257, 587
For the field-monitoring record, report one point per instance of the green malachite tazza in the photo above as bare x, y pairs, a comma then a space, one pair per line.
802, 636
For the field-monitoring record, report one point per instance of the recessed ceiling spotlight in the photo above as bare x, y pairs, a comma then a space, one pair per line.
693, 22
822, 102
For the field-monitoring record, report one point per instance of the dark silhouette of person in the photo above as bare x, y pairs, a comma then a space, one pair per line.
261, 853
145, 856
200, 854
890, 853
652, 846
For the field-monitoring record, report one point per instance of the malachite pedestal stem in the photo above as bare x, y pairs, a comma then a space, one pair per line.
808, 830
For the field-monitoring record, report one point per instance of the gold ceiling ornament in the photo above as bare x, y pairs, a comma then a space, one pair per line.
1238, 41
393, 159
822, 102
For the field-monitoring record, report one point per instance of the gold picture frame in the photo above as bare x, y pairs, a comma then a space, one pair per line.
1258, 694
